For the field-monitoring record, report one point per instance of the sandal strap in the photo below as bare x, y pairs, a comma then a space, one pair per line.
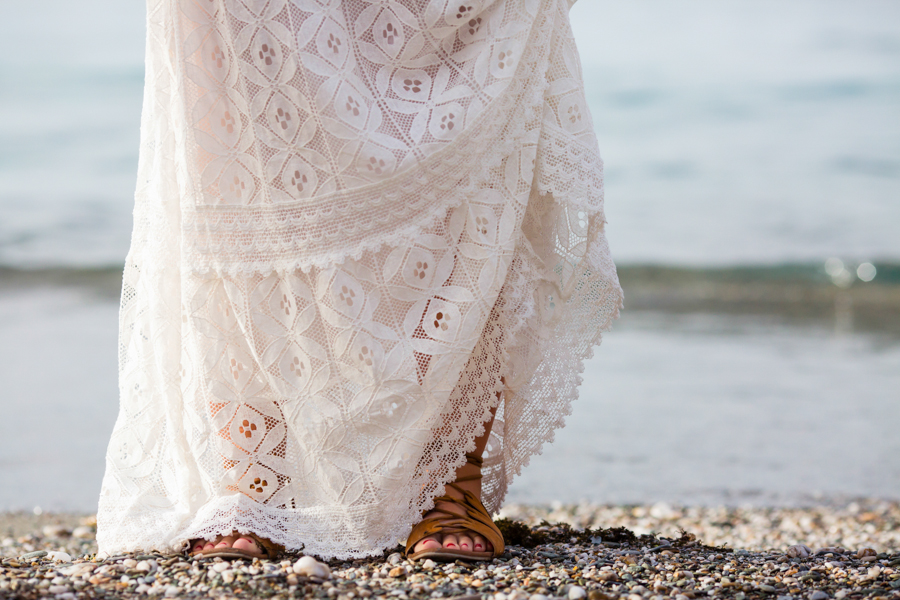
476, 461
270, 548
476, 519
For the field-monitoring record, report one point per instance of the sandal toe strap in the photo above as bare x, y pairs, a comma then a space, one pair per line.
476, 519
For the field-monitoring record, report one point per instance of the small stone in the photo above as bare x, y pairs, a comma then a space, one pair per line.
538, 597
57, 589
219, 567
480, 574
310, 567
576, 593
874, 572
395, 558
82, 532
799, 551
598, 595
785, 598
396, 572
864, 552
228, 576
428, 564
147, 566
129, 563
766, 588
33, 555
818, 595
54, 531
635, 597
59, 556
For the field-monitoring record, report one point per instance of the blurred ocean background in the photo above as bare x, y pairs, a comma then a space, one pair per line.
752, 155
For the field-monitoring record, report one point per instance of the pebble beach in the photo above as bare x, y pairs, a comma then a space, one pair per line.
595, 552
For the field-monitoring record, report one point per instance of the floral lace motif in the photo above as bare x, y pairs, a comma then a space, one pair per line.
352, 219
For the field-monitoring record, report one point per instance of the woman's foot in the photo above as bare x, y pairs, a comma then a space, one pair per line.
467, 541
245, 543
236, 545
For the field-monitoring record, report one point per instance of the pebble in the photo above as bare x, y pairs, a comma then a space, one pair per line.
59, 556
310, 567
774, 561
54, 531
799, 551
83, 532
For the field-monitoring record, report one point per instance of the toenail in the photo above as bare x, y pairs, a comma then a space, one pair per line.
451, 545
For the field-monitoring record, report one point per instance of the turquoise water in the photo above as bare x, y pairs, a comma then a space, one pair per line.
740, 132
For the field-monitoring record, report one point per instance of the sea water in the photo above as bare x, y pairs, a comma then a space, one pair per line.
747, 133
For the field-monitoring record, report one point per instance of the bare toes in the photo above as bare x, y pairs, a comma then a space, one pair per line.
225, 542
480, 544
465, 543
430, 543
246, 544
450, 541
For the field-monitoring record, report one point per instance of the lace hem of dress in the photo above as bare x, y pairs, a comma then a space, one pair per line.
521, 323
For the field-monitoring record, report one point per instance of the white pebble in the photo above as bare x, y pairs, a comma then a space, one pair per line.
172, 591
54, 531
428, 564
221, 566
310, 567
576, 592
480, 574
395, 558
874, 572
227, 576
59, 556
818, 595
537, 597
82, 532
57, 589
129, 563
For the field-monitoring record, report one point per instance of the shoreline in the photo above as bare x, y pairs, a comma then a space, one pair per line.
629, 553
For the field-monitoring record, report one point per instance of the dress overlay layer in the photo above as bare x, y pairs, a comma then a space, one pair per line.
360, 226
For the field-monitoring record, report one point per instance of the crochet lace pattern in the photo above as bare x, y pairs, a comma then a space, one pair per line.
356, 223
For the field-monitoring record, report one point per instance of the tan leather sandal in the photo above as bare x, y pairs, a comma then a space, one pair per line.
268, 550
476, 519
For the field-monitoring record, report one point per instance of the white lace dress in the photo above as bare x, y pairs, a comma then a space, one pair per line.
353, 217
